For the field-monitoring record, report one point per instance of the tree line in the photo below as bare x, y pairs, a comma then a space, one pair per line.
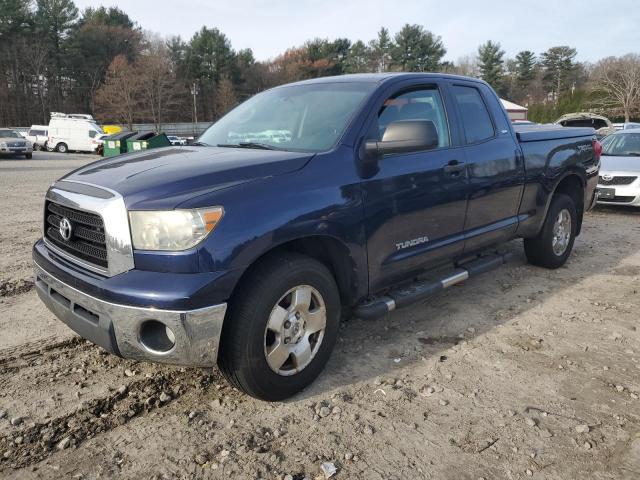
99, 61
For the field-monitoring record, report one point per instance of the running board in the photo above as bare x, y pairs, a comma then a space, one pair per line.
420, 290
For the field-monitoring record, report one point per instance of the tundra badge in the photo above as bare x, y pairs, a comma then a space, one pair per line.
411, 243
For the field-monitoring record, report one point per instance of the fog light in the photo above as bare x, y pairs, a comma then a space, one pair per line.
157, 337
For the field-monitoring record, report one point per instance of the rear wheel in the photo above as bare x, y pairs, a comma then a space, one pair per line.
28, 156
281, 329
62, 148
553, 245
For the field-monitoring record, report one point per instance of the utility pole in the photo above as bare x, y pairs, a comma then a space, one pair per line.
194, 92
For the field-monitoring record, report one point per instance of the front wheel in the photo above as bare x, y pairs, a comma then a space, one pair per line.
28, 156
281, 327
552, 246
62, 148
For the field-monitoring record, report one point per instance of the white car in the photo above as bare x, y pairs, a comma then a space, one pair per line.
619, 181
626, 126
38, 135
177, 140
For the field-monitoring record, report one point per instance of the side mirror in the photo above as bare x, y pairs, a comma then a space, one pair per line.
404, 136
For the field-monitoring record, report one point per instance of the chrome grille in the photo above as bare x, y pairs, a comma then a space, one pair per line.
87, 241
621, 180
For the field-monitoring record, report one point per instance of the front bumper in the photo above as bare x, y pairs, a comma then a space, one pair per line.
15, 150
124, 330
623, 194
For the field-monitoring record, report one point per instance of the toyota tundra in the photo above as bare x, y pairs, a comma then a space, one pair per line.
308, 202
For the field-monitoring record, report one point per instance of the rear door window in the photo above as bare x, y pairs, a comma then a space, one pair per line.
476, 120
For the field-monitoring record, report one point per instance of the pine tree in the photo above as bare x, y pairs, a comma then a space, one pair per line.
525, 67
381, 50
525, 73
358, 59
417, 50
491, 64
559, 66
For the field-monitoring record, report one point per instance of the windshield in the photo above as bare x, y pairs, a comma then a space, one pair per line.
308, 118
622, 145
96, 127
8, 134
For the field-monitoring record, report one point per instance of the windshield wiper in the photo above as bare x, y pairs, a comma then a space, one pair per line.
200, 144
256, 145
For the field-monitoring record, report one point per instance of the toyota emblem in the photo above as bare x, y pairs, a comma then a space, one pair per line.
607, 177
65, 229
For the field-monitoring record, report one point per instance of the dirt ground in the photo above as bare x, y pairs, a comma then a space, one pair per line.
520, 373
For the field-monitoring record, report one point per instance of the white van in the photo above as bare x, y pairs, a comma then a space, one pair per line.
75, 132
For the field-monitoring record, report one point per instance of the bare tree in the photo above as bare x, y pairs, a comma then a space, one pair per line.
466, 65
36, 61
225, 97
118, 99
616, 80
157, 82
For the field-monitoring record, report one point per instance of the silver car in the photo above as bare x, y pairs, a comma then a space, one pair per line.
14, 144
619, 182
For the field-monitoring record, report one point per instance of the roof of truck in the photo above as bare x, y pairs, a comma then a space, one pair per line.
380, 77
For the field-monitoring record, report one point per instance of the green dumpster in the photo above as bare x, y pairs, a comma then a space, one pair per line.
116, 144
146, 140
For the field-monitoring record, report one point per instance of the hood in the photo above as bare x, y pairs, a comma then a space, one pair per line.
619, 164
12, 139
166, 177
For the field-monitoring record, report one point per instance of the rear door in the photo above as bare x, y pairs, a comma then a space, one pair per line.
415, 204
495, 166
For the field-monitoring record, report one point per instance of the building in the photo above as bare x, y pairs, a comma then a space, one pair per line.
516, 112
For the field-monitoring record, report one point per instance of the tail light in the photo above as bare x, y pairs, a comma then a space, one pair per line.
597, 148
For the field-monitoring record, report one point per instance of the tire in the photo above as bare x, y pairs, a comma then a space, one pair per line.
62, 148
28, 156
266, 300
553, 245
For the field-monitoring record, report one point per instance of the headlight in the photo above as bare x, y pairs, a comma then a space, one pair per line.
3, 144
172, 230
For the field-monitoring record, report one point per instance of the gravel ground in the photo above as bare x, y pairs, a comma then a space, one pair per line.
520, 373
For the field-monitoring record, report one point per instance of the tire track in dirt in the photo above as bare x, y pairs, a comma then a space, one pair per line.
36, 442
26, 352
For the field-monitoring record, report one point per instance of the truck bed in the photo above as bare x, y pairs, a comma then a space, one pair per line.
538, 133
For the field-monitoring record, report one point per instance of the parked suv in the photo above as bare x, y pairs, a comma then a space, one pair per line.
306, 201
14, 144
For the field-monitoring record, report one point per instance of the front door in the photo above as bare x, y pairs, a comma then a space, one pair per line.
415, 204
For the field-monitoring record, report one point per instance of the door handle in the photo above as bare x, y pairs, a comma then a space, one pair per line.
454, 167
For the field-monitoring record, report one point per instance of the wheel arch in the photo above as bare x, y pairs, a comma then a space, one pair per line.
329, 251
574, 186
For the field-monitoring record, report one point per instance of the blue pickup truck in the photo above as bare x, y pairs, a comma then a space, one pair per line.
308, 202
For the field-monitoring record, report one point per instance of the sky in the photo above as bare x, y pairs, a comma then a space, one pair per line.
596, 28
